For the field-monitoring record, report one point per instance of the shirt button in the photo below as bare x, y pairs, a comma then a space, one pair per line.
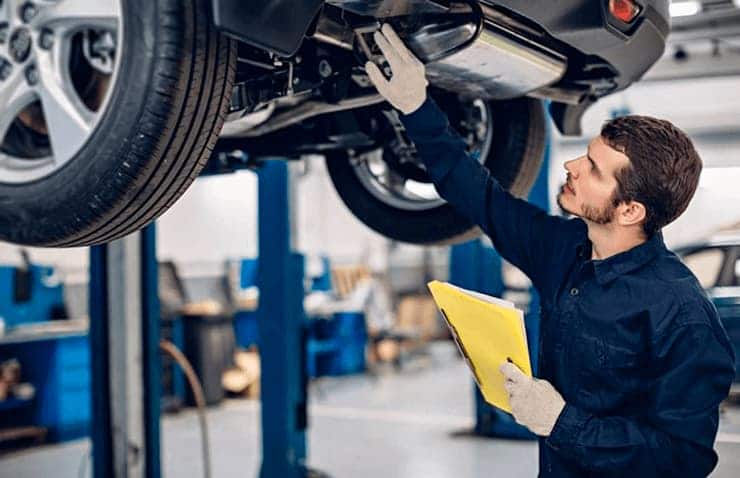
574, 291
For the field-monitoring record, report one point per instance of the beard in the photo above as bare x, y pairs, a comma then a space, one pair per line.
598, 215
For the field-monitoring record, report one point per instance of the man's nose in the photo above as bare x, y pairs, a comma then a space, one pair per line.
570, 166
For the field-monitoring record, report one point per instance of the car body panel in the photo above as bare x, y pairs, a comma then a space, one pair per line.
725, 289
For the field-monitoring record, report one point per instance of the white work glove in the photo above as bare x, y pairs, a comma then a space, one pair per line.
407, 88
534, 403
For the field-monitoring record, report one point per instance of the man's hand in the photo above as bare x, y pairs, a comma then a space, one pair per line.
534, 402
407, 88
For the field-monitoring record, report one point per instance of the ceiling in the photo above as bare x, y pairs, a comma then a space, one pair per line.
704, 41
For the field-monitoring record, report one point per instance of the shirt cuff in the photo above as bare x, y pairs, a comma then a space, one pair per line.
427, 116
567, 427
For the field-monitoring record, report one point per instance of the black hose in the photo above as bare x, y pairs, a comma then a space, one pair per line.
200, 401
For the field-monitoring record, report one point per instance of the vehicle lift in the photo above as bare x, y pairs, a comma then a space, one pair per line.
124, 335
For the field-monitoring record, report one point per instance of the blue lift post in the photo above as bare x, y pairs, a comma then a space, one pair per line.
476, 266
281, 329
115, 276
124, 339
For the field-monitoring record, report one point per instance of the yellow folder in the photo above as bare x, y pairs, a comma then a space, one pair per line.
488, 331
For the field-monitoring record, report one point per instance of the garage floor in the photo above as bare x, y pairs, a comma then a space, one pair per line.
393, 425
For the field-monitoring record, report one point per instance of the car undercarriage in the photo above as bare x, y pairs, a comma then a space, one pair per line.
112, 108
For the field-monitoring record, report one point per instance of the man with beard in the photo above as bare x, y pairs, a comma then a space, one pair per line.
634, 361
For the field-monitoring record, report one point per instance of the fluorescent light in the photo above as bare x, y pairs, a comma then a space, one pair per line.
686, 8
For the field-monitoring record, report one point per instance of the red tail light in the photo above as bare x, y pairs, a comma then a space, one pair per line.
624, 10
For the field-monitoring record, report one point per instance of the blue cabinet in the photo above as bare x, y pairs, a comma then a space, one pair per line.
59, 369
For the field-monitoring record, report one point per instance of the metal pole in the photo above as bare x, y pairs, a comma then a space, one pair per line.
150, 348
280, 322
100, 430
125, 332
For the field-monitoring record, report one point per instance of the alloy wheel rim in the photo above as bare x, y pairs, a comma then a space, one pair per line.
409, 195
48, 109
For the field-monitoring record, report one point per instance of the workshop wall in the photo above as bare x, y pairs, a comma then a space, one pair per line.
326, 226
215, 220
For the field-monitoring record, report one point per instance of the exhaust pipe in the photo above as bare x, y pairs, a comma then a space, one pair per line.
499, 63
468, 48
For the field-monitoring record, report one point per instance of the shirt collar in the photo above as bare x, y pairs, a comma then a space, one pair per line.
606, 270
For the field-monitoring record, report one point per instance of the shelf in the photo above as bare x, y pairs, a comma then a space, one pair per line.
50, 330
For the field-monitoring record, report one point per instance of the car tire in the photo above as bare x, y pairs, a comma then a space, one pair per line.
514, 159
162, 119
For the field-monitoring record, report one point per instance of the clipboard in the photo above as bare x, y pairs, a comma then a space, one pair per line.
488, 331
461, 348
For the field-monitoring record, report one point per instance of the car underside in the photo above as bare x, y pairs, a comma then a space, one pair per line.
107, 120
483, 50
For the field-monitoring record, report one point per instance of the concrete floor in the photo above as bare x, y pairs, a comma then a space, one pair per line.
394, 425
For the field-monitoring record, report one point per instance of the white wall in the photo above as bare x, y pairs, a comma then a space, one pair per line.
72, 263
696, 105
327, 227
215, 220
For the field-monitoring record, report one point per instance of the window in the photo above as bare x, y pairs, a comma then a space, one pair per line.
706, 264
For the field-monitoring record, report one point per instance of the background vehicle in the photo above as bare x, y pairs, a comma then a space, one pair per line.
716, 263
111, 108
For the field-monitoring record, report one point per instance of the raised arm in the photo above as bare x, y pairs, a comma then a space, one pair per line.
524, 234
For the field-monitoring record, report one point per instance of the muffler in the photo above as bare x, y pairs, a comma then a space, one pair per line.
467, 47
499, 63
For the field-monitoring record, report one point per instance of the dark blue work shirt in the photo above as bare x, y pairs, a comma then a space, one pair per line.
631, 342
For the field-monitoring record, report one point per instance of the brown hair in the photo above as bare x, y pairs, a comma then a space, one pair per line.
664, 167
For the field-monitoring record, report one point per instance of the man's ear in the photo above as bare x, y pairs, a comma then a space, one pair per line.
631, 213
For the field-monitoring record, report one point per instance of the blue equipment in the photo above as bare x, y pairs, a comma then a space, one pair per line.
55, 363
29, 294
245, 321
336, 345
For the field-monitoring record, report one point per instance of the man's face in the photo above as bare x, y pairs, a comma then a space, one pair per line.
591, 183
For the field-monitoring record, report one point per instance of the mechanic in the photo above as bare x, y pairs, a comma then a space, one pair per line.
633, 359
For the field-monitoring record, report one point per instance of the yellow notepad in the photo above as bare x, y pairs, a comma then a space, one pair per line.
488, 331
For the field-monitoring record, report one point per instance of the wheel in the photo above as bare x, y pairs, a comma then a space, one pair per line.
388, 189
109, 109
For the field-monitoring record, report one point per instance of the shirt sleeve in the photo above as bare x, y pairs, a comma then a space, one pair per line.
522, 233
677, 432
